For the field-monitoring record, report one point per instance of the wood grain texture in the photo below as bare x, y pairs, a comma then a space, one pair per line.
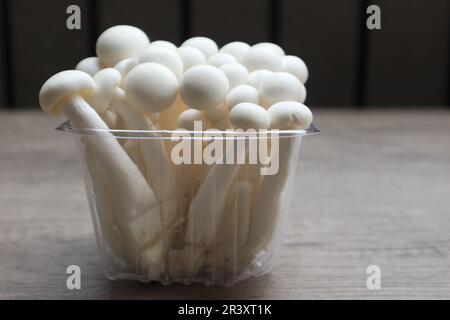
42, 45
232, 20
408, 60
371, 189
159, 19
324, 34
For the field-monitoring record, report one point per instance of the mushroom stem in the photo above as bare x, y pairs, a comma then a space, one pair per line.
138, 216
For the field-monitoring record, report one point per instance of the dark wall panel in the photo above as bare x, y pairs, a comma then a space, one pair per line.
231, 20
2, 59
408, 57
42, 45
159, 19
324, 33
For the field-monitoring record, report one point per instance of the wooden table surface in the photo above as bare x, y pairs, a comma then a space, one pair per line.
373, 188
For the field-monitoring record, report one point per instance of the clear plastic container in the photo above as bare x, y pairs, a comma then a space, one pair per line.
201, 220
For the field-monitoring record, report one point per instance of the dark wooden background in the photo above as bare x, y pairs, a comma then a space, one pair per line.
406, 63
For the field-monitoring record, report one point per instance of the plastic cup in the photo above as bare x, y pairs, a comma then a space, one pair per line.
213, 223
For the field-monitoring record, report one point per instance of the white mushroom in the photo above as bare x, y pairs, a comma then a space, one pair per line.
236, 73
122, 67
191, 56
120, 42
150, 88
219, 59
256, 77
294, 65
134, 200
203, 87
236, 49
248, 115
89, 65
204, 44
243, 93
261, 58
270, 46
187, 118
286, 115
166, 57
280, 86
163, 44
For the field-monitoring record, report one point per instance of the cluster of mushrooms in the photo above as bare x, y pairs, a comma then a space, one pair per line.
166, 222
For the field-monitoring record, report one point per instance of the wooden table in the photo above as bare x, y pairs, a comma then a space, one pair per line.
372, 189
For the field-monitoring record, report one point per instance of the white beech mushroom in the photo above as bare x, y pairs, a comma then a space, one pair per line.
134, 200
236, 73
270, 46
287, 115
219, 59
163, 44
204, 44
150, 87
261, 58
106, 81
280, 86
89, 65
203, 87
166, 57
243, 93
191, 56
236, 49
256, 77
120, 42
206, 208
294, 65
122, 65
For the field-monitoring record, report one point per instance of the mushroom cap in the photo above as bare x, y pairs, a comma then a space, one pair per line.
89, 65
166, 57
215, 113
294, 65
63, 85
272, 47
187, 118
150, 87
290, 115
236, 49
248, 115
106, 81
280, 86
163, 44
256, 77
121, 66
219, 59
243, 93
120, 42
203, 86
261, 58
191, 56
236, 74
303, 96
204, 44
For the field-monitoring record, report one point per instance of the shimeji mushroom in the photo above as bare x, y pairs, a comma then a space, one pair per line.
204, 44
219, 59
236, 49
242, 93
261, 58
191, 56
134, 200
294, 65
163, 44
120, 42
151, 88
280, 86
287, 115
166, 57
106, 80
271, 47
206, 208
89, 65
122, 65
236, 73
256, 77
